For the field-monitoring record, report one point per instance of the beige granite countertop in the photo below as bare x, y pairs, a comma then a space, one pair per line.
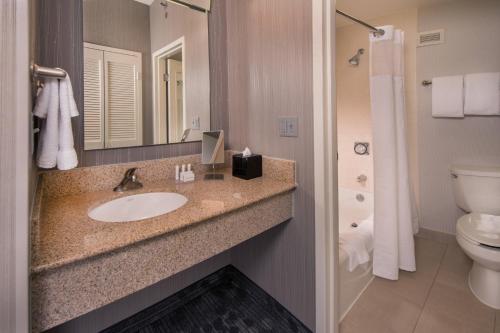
64, 234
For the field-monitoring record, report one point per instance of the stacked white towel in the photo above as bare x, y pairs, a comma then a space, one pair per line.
66, 156
47, 108
448, 96
482, 94
57, 106
358, 243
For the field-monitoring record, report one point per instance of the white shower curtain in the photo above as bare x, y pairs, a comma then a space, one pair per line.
394, 214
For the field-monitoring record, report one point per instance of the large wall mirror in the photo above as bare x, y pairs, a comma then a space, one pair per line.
146, 73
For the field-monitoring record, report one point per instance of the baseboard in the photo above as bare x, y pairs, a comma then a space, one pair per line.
437, 236
343, 315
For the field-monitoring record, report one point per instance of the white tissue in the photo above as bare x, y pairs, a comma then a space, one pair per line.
247, 152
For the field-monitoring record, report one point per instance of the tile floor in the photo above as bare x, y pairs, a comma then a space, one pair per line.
435, 299
225, 301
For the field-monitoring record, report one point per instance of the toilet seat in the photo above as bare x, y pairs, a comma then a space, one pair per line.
480, 229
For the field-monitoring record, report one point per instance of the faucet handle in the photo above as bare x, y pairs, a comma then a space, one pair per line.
130, 173
129, 181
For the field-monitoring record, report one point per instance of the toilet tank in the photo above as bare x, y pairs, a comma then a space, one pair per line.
476, 189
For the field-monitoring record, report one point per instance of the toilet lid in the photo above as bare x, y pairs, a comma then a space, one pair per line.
482, 228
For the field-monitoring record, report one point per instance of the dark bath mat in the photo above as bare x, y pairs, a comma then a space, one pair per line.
225, 301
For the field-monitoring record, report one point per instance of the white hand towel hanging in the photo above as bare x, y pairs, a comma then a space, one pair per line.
47, 108
66, 156
482, 94
57, 106
448, 96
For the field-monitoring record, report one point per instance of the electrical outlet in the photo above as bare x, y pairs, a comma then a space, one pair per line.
289, 126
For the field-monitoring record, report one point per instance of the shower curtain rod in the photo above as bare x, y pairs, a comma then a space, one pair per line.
184, 4
375, 31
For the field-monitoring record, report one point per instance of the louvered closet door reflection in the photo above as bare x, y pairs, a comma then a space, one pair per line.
123, 100
93, 92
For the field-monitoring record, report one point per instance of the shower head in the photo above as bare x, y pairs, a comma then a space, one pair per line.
354, 61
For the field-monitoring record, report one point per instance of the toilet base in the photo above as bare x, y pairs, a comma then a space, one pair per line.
485, 285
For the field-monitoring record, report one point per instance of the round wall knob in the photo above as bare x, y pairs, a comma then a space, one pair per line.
361, 148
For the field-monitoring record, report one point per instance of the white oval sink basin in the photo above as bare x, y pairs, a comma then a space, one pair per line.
138, 207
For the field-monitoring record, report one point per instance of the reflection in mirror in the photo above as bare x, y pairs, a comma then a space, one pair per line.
213, 148
146, 73
168, 83
212, 151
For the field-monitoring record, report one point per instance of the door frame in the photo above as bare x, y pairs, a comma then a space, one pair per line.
159, 113
325, 168
173, 112
15, 154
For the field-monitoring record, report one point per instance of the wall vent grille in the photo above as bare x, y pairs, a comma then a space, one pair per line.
432, 37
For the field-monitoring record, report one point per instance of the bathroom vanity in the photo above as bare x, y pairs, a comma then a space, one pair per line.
79, 264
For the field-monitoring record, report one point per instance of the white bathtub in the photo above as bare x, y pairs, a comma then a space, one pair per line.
353, 210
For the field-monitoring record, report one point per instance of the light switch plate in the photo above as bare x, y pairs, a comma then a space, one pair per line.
289, 126
282, 129
195, 123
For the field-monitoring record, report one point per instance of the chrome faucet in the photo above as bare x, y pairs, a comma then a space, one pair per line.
129, 182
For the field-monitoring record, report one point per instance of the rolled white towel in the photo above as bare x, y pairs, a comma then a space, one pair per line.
47, 108
66, 156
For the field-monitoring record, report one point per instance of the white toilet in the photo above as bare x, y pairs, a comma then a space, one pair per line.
477, 191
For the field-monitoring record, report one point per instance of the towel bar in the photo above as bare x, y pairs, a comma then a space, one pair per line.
426, 83
40, 71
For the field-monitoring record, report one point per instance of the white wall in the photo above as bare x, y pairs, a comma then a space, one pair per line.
472, 45
270, 75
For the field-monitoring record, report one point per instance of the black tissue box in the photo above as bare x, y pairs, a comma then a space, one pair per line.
247, 167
